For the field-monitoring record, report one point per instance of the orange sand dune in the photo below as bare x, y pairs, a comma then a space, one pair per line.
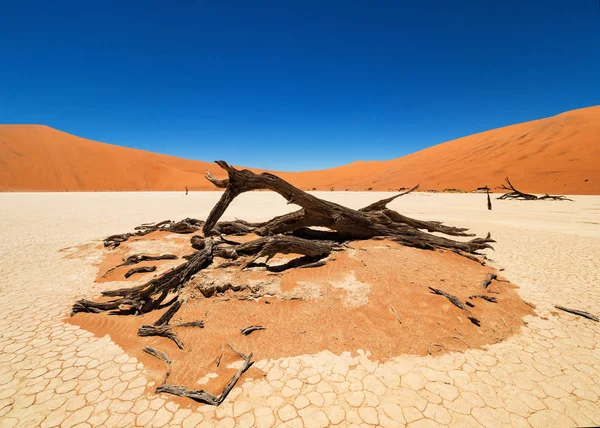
560, 154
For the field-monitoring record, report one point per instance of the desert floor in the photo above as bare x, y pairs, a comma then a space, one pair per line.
547, 374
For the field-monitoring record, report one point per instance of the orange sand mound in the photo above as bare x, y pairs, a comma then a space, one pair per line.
342, 306
556, 155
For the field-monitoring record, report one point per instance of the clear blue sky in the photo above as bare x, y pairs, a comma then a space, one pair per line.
294, 85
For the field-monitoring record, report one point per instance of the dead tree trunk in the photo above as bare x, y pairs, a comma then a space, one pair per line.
516, 194
374, 220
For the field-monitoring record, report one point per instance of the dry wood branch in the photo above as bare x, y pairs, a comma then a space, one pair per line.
140, 269
453, 299
488, 280
162, 328
204, 396
395, 314
161, 356
554, 197
220, 356
578, 312
242, 356
248, 330
382, 204
150, 296
458, 303
490, 299
199, 324
187, 225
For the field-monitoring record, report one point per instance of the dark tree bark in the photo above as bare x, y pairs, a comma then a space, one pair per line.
515, 194
372, 221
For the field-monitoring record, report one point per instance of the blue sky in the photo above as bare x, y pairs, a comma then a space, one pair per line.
294, 85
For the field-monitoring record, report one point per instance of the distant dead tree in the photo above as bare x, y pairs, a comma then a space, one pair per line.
486, 189
516, 194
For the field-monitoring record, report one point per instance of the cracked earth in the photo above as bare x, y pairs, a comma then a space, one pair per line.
547, 374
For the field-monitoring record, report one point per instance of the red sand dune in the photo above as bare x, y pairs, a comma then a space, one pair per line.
560, 154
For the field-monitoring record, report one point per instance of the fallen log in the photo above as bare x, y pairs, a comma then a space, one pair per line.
578, 312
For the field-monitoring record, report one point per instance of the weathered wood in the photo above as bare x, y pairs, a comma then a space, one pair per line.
150, 296
187, 225
516, 194
140, 269
380, 205
488, 280
220, 356
248, 330
349, 224
160, 330
453, 299
191, 324
395, 314
490, 299
578, 312
458, 303
161, 356
203, 396
161, 326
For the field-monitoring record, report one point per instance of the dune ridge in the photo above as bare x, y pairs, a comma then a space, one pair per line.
560, 154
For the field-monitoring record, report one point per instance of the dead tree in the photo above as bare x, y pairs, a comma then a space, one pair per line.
292, 233
516, 194
373, 221
486, 189
289, 233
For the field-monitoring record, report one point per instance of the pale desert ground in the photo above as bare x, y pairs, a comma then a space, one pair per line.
53, 373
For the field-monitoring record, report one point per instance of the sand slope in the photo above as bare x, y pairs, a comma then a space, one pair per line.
560, 154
